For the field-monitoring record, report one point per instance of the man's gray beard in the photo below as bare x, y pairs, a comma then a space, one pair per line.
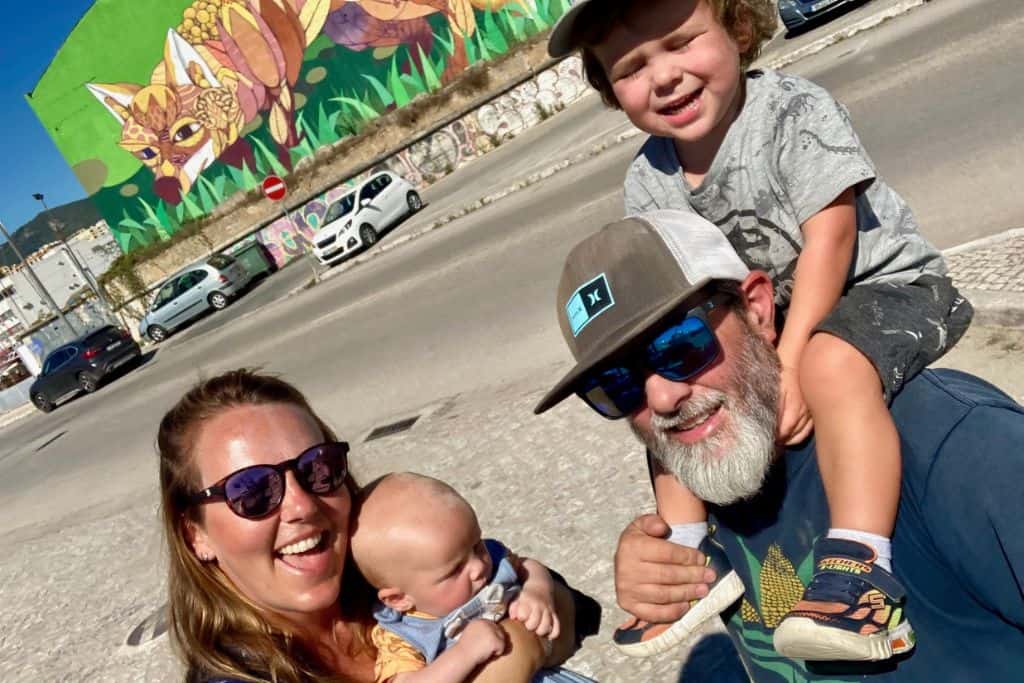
731, 464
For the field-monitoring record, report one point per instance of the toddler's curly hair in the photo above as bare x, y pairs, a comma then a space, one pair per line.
759, 17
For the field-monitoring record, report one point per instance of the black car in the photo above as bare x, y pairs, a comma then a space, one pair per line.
82, 365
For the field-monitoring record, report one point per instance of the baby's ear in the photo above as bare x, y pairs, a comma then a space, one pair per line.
396, 599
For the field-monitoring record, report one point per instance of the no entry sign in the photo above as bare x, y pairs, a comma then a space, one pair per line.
274, 188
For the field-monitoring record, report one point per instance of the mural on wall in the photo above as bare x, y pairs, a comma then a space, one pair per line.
201, 99
438, 154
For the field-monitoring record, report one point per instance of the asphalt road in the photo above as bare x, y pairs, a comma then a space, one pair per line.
935, 95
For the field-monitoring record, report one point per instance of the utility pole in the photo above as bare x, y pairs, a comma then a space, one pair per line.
87, 278
35, 281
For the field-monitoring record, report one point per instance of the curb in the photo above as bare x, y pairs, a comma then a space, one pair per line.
996, 308
15, 414
843, 34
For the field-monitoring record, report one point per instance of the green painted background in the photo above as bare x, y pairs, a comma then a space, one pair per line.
339, 90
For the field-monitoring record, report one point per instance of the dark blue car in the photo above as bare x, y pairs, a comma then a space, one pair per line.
796, 13
82, 365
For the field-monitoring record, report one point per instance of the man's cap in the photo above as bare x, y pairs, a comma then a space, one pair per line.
620, 282
560, 40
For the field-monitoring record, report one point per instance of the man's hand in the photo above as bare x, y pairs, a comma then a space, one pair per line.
795, 422
655, 580
481, 640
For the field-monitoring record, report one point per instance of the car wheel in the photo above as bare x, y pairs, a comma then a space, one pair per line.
368, 235
88, 383
42, 403
218, 301
414, 202
156, 333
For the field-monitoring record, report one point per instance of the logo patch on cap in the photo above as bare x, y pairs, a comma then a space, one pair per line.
586, 303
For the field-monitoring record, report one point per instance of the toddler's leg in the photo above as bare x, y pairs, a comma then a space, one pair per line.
857, 445
858, 452
688, 519
680, 508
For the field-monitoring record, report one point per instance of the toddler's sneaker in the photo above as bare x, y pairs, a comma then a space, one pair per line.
852, 611
638, 638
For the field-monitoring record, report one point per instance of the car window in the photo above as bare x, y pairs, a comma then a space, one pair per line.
369, 191
165, 294
190, 280
340, 208
220, 261
58, 358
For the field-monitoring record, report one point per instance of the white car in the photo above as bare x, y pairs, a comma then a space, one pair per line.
356, 220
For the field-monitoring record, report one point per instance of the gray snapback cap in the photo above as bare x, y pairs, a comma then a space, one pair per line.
559, 42
621, 281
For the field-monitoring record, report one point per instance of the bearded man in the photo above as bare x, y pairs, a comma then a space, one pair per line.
672, 332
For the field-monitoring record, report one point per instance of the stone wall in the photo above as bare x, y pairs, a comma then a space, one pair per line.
430, 157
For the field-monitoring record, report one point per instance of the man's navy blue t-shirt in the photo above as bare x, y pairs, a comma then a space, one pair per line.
958, 545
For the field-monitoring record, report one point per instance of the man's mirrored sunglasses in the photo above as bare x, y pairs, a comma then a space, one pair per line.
257, 491
682, 346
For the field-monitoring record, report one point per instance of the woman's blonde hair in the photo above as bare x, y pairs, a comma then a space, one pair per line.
215, 628
756, 19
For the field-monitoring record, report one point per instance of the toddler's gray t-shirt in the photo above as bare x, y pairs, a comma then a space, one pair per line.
789, 154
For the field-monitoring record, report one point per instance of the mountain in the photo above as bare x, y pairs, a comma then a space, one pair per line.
69, 219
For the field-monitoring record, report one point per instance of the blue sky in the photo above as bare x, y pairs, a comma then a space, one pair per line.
28, 40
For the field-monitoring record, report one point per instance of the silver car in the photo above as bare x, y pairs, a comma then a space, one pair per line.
354, 221
193, 291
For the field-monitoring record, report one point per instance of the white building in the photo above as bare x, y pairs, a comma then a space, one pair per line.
95, 250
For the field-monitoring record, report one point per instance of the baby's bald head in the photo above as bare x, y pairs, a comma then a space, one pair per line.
400, 517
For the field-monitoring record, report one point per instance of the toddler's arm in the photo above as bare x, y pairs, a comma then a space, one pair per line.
821, 273
480, 641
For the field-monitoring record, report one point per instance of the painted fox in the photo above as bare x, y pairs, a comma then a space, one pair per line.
202, 95
229, 61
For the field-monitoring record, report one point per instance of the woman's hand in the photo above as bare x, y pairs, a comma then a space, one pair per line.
656, 580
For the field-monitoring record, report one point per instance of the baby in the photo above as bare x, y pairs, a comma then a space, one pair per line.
441, 588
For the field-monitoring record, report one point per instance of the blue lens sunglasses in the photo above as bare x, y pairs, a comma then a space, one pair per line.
683, 346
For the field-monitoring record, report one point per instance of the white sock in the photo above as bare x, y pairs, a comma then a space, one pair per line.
689, 534
880, 544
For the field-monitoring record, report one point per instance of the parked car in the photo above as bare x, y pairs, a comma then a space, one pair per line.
355, 221
193, 291
796, 13
82, 365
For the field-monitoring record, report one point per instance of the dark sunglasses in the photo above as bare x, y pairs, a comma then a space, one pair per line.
683, 346
257, 490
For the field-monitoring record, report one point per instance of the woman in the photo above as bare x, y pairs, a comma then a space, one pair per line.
256, 502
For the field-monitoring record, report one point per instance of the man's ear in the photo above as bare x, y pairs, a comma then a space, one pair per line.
396, 599
759, 295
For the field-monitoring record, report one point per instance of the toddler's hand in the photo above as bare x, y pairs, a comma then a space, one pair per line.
795, 423
481, 640
535, 609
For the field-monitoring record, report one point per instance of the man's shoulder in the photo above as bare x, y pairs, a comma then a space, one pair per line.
945, 409
952, 390
656, 154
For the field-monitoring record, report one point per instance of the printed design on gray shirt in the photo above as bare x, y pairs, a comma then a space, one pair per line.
760, 243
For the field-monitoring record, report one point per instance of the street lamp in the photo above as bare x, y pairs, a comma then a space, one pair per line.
38, 196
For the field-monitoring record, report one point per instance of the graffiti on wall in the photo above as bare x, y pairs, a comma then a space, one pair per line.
202, 98
439, 153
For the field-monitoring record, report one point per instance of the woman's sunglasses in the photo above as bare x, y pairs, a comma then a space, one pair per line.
256, 491
683, 346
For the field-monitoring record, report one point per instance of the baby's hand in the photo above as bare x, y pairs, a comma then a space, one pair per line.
795, 423
534, 607
481, 640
